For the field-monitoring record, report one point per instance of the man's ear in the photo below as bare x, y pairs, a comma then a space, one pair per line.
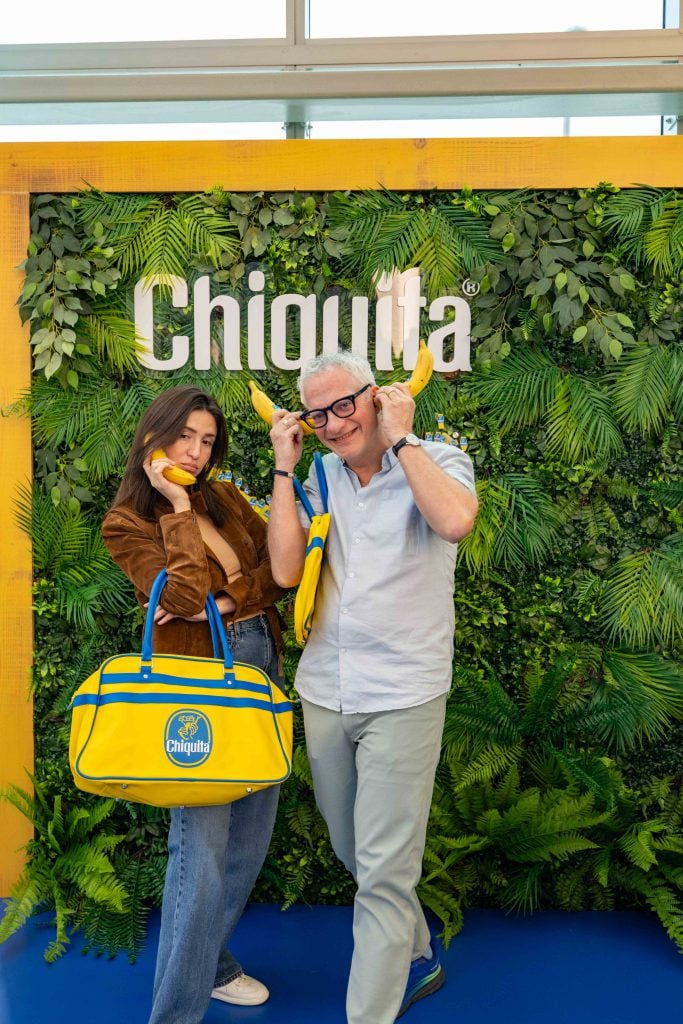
373, 390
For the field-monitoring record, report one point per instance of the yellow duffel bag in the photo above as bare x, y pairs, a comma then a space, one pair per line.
171, 730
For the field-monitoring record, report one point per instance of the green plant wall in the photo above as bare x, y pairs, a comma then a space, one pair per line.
561, 781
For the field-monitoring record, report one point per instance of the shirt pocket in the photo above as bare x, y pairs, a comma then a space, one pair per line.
399, 522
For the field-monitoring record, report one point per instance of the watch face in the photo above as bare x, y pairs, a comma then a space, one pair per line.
411, 439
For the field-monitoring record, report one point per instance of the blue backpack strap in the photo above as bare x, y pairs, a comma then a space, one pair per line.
322, 487
322, 479
303, 498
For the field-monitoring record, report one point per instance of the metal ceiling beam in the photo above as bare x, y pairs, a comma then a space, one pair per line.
469, 51
223, 84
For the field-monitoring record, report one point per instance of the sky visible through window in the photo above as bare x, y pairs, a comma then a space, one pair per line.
445, 17
81, 22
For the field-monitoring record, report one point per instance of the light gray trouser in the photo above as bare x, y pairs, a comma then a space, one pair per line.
373, 776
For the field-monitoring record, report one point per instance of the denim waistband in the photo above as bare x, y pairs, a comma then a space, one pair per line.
237, 629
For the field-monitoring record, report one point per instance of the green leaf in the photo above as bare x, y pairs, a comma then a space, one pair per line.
53, 365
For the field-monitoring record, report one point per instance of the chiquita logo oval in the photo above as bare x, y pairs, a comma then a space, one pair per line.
188, 738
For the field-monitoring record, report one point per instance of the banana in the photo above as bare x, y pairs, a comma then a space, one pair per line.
418, 380
424, 366
174, 474
264, 406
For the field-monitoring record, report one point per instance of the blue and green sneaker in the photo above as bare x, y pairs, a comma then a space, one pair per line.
426, 976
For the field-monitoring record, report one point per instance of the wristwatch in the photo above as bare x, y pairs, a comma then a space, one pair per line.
410, 439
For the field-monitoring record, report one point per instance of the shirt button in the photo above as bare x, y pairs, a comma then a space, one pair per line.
352, 575
361, 504
343, 610
356, 540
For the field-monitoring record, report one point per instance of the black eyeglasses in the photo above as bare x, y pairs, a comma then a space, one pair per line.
343, 408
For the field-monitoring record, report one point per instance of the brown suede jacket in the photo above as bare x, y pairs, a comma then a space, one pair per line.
142, 548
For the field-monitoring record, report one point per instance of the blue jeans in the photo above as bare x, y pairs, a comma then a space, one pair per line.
215, 855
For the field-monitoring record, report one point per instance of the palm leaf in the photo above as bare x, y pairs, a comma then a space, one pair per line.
384, 233
517, 524
641, 390
114, 339
519, 390
663, 242
475, 243
208, 232
642, 693
120, 214
580, 422
643, 597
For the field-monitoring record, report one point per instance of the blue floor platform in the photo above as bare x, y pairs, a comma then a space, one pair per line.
551, 968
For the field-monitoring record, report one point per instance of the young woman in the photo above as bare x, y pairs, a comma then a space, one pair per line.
208, 538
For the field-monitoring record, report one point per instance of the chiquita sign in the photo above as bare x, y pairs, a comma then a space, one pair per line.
402, 306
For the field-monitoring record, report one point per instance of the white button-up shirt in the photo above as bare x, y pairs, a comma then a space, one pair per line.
382, 635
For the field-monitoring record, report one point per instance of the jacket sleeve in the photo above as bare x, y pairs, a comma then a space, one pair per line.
142, 549
255, 589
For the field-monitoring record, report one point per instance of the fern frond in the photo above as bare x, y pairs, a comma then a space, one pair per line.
488, 763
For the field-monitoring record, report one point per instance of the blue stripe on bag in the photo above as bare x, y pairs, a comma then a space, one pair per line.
317, 542
169, 698
133, 678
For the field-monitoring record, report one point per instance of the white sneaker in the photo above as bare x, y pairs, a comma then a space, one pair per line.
242, 991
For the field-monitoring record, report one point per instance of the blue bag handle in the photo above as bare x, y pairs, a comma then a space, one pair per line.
322, 486
219, 638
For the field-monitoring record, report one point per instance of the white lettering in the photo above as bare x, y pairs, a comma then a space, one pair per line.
359, 325
278, 330
256, 318
144, 322
185, 747
411, 302
383, 322
458, 329
203, 308
401, 307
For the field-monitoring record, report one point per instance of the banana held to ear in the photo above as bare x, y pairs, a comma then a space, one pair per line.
264, 406
424, 366
175, 474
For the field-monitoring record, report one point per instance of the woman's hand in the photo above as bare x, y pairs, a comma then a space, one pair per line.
226, 606
177, 495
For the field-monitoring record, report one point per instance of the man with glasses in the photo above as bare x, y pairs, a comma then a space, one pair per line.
376, 670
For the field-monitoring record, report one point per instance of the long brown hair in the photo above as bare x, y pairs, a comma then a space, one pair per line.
160, 425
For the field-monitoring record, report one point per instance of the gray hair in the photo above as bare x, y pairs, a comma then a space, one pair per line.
357, 366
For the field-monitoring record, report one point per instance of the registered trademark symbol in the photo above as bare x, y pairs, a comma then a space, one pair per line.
470, 287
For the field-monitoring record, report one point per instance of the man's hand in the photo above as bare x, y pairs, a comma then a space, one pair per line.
396, 411
286, 436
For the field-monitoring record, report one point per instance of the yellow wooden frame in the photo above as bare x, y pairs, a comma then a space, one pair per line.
238, 166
